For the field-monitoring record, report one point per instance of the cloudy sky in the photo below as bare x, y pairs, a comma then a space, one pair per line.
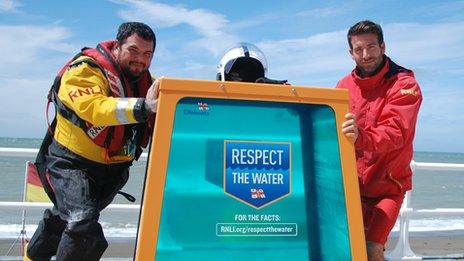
304, 41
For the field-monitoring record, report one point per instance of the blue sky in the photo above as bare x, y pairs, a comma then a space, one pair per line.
304, 42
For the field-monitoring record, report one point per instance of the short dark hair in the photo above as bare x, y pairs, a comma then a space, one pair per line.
365, 27
129, 28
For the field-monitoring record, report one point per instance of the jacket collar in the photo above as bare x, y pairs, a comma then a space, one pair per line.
369, 83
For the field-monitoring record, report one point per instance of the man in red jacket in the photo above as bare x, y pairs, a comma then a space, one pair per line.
384, 103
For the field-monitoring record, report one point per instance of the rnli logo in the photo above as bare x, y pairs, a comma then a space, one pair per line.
202, 109
203, 106
257, 173
409, 92
75, 94
94, 131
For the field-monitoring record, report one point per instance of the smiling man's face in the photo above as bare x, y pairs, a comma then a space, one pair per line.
134, 55
367, 52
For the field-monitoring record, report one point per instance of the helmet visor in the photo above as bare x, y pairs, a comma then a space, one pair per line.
243, 69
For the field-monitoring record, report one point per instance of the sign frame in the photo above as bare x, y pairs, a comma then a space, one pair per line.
172, 90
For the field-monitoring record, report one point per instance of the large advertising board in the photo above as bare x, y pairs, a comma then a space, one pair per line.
258, 171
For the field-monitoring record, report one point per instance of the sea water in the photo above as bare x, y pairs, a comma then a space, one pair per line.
432, 189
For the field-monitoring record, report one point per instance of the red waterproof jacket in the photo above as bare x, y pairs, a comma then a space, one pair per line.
386, 106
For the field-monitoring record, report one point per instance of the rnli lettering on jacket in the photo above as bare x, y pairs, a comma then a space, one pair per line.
386, 107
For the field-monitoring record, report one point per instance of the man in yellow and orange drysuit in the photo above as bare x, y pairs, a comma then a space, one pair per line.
105, 101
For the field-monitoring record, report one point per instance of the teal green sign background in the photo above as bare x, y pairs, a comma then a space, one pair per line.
201, 222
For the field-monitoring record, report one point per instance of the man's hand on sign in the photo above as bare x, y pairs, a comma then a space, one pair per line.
350, 127
151, 100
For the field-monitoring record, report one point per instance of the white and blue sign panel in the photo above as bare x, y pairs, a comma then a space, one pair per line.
257, 173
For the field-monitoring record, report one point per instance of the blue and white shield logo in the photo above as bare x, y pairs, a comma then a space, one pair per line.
257, 173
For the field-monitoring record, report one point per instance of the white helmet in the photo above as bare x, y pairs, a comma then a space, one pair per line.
243, 62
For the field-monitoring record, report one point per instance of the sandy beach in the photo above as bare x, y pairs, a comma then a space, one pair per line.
439, 245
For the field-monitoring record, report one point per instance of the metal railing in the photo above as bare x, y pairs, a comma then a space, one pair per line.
402, 250
13, 205
31, 153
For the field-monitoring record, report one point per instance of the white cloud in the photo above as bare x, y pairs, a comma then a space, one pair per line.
433, 51
412, 45
8, 6
324, 12
21, 45
301, 60
31, 56
451, 10
418, 43
440, 127
23, 106
216, 45
258, 20
208, 24
162, 15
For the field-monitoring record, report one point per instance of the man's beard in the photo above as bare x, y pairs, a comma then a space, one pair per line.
131, 75
376, 68
127, 71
